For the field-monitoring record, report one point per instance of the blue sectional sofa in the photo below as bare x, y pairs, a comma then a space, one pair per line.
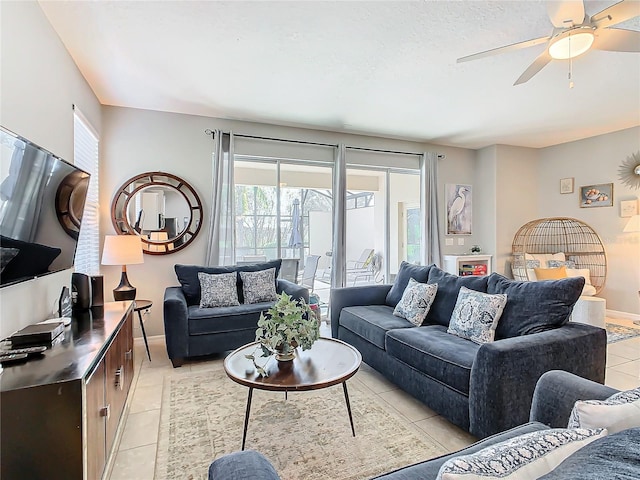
192, 331
484, 389
614, 456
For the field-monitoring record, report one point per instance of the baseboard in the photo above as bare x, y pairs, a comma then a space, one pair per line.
625, 315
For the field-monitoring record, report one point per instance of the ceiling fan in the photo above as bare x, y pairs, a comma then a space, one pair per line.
574, 34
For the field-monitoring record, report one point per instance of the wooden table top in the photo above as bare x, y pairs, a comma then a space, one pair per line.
328, 362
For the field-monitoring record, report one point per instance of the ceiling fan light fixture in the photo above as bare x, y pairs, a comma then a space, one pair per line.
571, 43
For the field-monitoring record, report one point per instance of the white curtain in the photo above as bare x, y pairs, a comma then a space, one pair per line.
220, 244
338, 256
431, 211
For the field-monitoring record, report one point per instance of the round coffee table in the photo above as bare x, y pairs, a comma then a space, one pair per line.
329, 362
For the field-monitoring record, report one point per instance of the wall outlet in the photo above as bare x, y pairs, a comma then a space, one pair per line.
448, 241
461, 241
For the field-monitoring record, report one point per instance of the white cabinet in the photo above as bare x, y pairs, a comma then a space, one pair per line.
464, 265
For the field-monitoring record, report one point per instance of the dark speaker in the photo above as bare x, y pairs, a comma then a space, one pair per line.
81, 291
97, 291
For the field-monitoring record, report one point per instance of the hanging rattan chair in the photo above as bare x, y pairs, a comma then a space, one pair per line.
577, 240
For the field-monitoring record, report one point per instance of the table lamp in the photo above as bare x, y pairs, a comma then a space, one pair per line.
122, 250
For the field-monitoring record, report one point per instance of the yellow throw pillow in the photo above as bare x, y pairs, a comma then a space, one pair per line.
551, 273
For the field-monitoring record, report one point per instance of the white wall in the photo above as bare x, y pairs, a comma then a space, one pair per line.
592, 161
40, 83
516, 196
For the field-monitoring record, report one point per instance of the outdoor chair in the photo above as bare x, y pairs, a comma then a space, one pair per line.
309, 272
361, 268
289, 269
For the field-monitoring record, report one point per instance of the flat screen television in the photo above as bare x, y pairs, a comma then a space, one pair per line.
41, 203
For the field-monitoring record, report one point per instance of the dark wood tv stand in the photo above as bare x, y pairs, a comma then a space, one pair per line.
59, 414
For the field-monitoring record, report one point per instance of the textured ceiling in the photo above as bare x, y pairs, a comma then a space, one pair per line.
381, 68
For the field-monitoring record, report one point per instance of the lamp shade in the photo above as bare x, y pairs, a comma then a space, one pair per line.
633, 225
122, 250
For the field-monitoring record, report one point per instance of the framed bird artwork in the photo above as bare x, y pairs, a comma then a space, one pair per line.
459, 205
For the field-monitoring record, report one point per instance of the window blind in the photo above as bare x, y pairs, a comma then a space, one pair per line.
85, 156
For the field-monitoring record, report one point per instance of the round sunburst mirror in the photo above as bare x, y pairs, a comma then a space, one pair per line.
629, 171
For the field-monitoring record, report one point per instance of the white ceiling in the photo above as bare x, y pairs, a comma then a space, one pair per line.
383, 68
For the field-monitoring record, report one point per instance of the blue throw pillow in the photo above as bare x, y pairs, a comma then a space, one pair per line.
419, 273
448, 289
534, 307
188, 277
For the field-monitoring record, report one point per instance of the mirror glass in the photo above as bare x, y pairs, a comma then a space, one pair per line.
161, 208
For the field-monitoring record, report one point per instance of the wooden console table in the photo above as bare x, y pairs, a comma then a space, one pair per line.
59, 413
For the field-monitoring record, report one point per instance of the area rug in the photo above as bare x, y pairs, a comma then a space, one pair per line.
306, 437
617, 333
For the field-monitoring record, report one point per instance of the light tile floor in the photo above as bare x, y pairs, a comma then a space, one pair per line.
136, 455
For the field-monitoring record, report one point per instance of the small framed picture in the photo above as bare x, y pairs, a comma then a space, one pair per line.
566, 185
628, 208
600, 195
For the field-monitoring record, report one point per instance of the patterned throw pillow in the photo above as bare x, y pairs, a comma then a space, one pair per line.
416, 301
218, 290
476, 314
618, 412
259, 286
533, 263
527, 456
560, 263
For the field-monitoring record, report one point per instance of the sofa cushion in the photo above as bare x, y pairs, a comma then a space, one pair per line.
525, 457
372, 322
416, 301
203, 321
218, 290
431, 350
476, 314
406, 271
259, 286
448, 288
618, 412
614, 456
534, 307
188, 277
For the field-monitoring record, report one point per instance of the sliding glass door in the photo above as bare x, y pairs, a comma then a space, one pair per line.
383, 223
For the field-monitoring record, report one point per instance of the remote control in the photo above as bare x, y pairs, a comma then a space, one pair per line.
27, 350
12, 357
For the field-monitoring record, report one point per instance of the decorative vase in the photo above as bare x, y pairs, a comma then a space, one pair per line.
286, 356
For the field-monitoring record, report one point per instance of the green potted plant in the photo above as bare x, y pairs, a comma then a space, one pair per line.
287, 325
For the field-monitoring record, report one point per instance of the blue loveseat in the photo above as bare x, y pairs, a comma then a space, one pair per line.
616, 456
484, 389
192, 331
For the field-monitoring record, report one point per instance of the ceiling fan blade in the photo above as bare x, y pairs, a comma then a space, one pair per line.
506, 48
617, 40
564, 14
537, 65
615, 14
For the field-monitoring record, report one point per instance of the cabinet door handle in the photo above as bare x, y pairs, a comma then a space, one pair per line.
128, 355
120, 377
106, 411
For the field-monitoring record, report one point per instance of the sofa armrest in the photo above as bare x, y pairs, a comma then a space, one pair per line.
245, 465
298, 292
557, 391
354, 296
176, 323
505, 372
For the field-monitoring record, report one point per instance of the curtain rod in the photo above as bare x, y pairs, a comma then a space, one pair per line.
271, 139
395, 152
303, 142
